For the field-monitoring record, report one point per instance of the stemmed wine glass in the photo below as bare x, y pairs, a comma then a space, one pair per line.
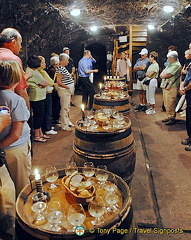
76, 215
71, 168
38, 208
111, 184
51, 176
88, 169
96, 209
101, 174
112, 199
54, 216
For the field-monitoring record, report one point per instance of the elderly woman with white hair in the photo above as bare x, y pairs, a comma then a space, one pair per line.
65, 89
170, 85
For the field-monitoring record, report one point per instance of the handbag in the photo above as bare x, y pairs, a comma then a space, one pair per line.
147, 81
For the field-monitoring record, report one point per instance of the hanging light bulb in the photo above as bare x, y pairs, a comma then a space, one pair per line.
168, 9
151, 27
93, 28
75, 12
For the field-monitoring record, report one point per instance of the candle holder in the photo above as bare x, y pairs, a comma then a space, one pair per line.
83, 116
40, 195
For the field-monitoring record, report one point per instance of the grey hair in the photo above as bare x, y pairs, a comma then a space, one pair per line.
172, 54
188, 51
7, 35
63, 56
54, 60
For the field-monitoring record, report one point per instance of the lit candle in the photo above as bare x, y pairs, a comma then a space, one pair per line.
100, 89
83, 114
104, 78
38, 181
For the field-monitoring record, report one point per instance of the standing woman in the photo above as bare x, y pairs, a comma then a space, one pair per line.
46, 126
7, 188
123, 65
152, 74
51, 70
37, 94
15, 138
65, 89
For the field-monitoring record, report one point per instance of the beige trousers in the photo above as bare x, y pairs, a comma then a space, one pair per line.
7, 204
19, 165
169, 98
65, 96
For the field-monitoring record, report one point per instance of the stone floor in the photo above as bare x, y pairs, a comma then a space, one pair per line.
161, 189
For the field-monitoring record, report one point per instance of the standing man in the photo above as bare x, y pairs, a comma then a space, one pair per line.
141, 67
170, 84
84, 74
91, 62
71, 69
10, 45
185, 88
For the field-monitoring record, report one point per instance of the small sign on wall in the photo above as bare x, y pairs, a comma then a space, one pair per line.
123, 39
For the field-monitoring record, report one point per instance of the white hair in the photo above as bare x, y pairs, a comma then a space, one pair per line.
63, 56
54, 60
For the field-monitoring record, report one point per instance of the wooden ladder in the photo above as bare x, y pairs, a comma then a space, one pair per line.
136, 40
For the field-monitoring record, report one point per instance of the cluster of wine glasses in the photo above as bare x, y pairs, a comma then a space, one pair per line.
58, 219
50, 213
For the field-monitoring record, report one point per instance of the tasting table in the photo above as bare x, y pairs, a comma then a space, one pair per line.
25, 216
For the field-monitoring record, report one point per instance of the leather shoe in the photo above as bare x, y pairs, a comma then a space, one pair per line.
171, 122
72, 104
166, 120
188, 148
186, 141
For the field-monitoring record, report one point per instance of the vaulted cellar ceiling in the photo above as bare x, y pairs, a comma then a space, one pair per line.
49, 25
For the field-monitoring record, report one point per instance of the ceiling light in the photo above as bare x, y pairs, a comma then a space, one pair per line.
93, 28
151, 27
168, 9
75, 12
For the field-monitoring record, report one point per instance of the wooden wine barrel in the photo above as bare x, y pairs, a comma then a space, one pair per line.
120, 222
121, 105
116, 150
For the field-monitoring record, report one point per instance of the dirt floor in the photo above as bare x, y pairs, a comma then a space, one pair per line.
161, 189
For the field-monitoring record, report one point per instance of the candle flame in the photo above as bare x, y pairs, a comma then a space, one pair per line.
100, 85
37, 175
82, 106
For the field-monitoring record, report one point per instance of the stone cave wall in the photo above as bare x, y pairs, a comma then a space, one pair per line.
44, 31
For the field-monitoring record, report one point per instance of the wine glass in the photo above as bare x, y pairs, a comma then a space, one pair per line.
51, 176
71, 168
111, 184
54, 216
88, 169
89, 114
76, 215
96, 209
101, 174
38, 208
112, 199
